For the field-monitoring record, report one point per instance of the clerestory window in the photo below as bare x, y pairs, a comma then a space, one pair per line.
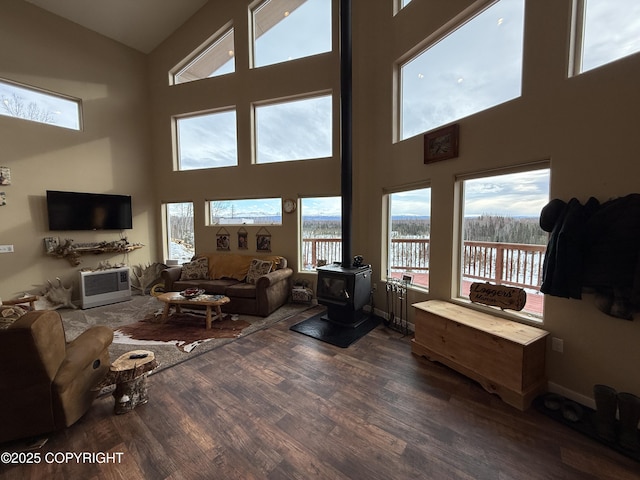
285, 30
299, 129
605, 31
473, 68
207, 140
34, 105
217, 57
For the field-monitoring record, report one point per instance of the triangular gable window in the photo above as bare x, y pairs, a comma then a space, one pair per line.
216, 57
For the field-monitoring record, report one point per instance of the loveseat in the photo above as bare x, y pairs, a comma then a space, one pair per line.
256, 284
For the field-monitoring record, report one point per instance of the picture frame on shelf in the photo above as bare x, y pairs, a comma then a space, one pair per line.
441, 144
407, 278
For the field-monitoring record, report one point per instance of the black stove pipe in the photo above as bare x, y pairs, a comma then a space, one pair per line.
346, 144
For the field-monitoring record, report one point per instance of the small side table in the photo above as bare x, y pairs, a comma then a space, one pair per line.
130, 377
30, 299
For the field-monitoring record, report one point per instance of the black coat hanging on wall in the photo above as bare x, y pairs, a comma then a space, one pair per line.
594, 248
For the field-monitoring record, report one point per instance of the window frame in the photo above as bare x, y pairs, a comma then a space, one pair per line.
577, 41
166, 225
430, 42
55, 96
201, 52
210, 223
387, 230
259, 5
177, 142
288, 100
300, 209
458, 258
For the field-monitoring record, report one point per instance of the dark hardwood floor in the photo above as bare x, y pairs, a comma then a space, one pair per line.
279, 405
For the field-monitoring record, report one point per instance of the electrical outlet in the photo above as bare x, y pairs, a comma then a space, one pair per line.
6, 248
557, 344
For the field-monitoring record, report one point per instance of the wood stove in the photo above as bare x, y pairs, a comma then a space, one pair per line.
344, 291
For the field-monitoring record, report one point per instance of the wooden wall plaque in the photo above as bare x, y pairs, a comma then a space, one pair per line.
512, 298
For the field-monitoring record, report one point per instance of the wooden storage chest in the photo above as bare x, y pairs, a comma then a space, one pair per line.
507, 358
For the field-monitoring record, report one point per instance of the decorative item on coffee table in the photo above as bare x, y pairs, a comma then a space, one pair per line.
129, 373
191, 298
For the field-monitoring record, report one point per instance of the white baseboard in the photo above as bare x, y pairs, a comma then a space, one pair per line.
570, 394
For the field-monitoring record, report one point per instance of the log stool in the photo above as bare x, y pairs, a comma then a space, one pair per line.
129, 373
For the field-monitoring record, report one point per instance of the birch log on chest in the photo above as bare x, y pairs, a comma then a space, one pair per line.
507, 358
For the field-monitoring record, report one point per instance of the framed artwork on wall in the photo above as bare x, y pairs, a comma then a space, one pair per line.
5, 176
441, 144
222, 240
263, 240
243, 242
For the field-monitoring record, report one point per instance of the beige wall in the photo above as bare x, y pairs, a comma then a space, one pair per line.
240, 89
585, 126
110, 155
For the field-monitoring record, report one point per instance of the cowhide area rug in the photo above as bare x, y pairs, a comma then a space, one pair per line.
136, 324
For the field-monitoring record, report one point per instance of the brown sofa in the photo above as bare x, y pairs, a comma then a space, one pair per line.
251, 292
47, 384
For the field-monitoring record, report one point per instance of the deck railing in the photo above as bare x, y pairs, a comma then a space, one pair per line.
513, 264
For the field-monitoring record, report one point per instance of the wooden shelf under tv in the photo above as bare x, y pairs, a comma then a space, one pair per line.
72, 252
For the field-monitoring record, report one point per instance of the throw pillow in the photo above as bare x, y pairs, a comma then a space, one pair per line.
9, 314
197, 269
257, 269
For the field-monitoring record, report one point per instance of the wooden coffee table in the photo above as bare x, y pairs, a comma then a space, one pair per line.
205, 300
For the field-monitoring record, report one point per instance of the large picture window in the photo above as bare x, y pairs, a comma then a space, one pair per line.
475, 67
606, 30
294, 130
501, 239
207, 141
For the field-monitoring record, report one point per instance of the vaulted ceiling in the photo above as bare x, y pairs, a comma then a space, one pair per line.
140, 24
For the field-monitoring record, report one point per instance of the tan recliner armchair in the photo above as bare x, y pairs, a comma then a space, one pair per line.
47, 384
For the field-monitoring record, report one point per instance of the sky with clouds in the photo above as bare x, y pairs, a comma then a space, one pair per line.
63, 112
476, 67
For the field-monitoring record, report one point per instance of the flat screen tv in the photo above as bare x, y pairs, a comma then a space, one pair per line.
88, 211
